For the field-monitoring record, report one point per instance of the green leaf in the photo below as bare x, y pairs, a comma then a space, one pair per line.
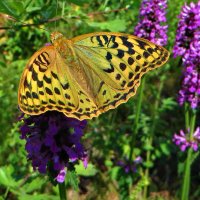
6, 178
148, 164
116, 25
34, 184
13, 8
32, 9
148, 147
167, 104
108, 163
115, 172
157, 153
165, 148
72, 179
37, 197
89, 171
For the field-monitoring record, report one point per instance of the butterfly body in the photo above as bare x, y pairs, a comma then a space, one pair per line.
87, 75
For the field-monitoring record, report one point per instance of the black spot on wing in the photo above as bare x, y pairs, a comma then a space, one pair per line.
28, 94
117, 95
40, 83
105, 39
126, 42
52, 101
130, 76
40, 58
48, 91
100, 86
141, 44
68, 109
47, 79
118, 76
115, 44
122, 66
54, 75
45, 56
65, 86
131, 51
138, 57
34, 74
108, 56
57, 91
130, 61
99, 41
41, 92
34, 95
120, 53
60, 103
137, 68
146, 54
109, 70
67, 96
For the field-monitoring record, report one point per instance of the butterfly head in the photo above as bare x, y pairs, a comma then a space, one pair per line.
55, 36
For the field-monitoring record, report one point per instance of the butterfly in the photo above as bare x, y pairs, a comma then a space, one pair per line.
87, 75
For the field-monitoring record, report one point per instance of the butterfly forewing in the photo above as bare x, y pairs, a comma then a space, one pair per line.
45, 84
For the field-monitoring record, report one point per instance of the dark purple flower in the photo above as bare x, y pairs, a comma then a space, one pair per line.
53, 142
152, 19
129, 166
61, 176
187, 45
190, 89
184, 141
188, 31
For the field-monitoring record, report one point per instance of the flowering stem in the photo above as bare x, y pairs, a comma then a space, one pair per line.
186, 106
149, 140
62, 191
188, 162
137, 115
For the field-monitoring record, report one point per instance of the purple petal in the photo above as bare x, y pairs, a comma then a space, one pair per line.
61, 176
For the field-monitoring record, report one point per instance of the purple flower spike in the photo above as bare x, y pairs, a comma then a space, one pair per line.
52, 139
187, 45
188, 29
183, 141
152, 17
190, 89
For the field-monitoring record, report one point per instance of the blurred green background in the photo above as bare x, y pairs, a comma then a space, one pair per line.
107, 138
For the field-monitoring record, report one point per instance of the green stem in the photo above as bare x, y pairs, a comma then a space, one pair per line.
186, 179
149, 140
187, 124
62, 191
187, 170
137, 115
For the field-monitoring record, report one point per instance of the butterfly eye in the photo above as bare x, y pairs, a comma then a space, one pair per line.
55, 36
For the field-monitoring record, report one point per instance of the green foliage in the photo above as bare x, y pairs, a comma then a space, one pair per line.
107, 137
82, 171
72, 179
